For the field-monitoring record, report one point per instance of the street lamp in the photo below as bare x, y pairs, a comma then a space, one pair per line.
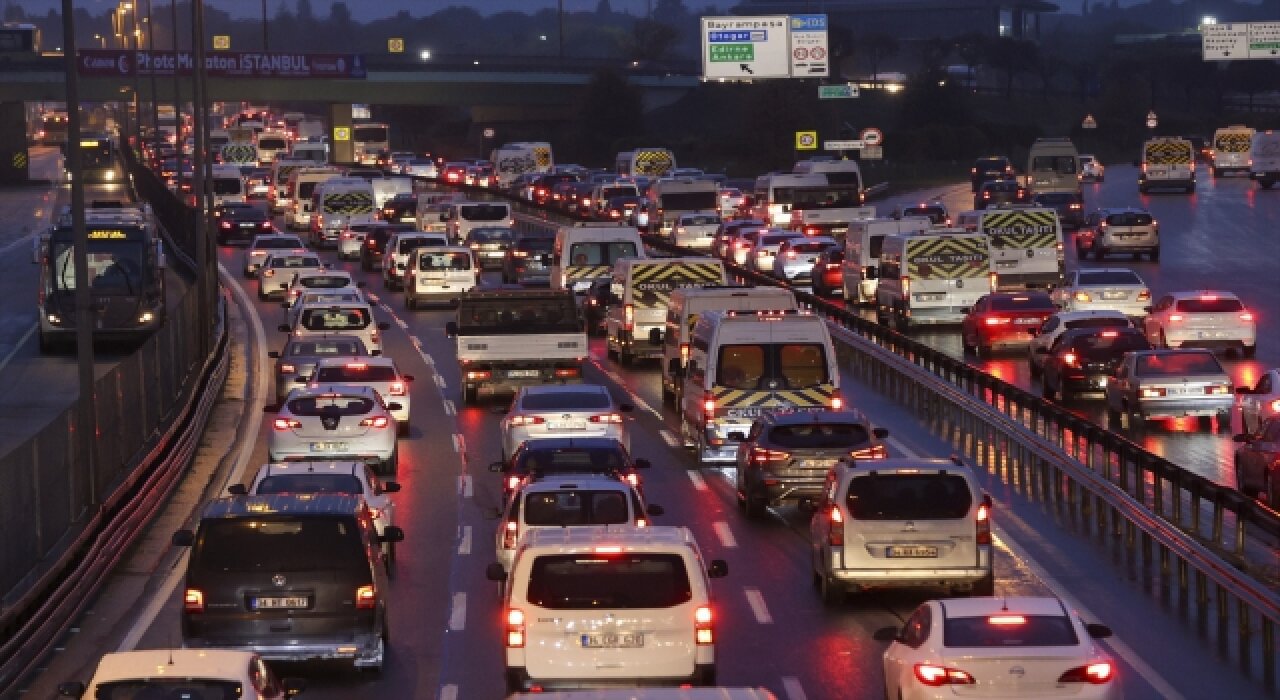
425, 54
102, 41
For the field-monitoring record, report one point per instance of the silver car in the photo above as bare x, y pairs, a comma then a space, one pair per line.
350, 240
1169, 384
300, 355
322, 476
331, 421
796, 257
262, 246
277, 272
380, 373
1115, 289
1111, 231
765, 248
572, 410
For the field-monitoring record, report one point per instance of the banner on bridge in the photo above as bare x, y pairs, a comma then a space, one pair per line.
224, 64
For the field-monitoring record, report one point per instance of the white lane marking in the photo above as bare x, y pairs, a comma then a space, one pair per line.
449, 408
466, 487
416, 343
791, 688
458, 617
459, 443
756, 600
464, 541
1121, 649
427, 358
449, 692
18, 346
670, 438
158, 601
725, 534
400, 322
258, 395
699, 483
440, 382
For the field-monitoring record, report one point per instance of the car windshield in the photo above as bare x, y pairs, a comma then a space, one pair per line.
1056, 198
287, 261
816, 247
1209, 305
540, 245
1165, 364
1005, 631
277, 544
354, 373
1107, 344
991, 164
167, 688
305, 348
934, 214
921, 496
330, 405
565, 401
819, 435
571, 459
627, 580
335, 319
1063, 165
1099, 322
774, 240
576, 507
1022, 302
310, 483
1108, 277
1129, 219
484, 212
700, 220
277, 243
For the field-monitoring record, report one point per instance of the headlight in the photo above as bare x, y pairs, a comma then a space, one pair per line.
146, 317
54, 319
581, 285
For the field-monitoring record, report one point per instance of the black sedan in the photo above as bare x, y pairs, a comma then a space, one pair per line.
1069, 205
1084, 359
587, 455
998, 192
239, 223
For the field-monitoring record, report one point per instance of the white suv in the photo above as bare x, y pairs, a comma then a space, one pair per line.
1202, 319
600, 606
898, 523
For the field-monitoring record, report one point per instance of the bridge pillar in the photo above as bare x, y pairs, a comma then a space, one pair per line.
341, 150
13, 143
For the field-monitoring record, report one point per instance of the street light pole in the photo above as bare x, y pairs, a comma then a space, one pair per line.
155, 98
200, 180
265, 47
560, 34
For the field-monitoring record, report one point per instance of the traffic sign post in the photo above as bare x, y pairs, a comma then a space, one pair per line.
809, 50
848, 145
395, 45
222, 42
1240, 41
1089, 122
837, 92
869, 152
1152, 121
806, 140
745, 48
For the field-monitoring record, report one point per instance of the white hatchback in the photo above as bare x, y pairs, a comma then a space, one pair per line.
1202, 319
563, 410
334, 421
278, 270
439, 274
185, 673
379, 372
262, 246
1115, 289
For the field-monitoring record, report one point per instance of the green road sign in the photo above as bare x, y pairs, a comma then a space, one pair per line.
731, 53
837, 92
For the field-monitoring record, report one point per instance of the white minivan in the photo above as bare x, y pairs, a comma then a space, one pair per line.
436, 274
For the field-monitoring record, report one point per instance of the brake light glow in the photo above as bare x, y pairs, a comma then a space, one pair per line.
629, 317
478, 374
837, 403
1082, 296
983, 519
1217, 389
287, 369
515, 628
708, 407
287, 423
906, 286
791, 254
997, 321
633, 479
934, 676
835, 527
565, 372
761, 455
1174, 318
1246, 316
873, 452
509, 533
357, 366
527, 420
608, 418
1144, 295
398, 389
1006, 620
1071, 359
1275, 406
995, 280
684, 354
702, 619
1208, 297
193, 601
1097, 673
375, 422
366, 597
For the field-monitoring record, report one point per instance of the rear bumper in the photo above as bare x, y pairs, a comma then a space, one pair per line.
1210, 339
703, 675
1179, 408
1011, 338
1029, 280
935, 315
363, 649
914, 577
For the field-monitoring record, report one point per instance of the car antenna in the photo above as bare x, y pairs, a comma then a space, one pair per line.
1004, 604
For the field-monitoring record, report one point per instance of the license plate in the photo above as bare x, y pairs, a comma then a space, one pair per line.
612, 641
911, 552
246, 224
1027, 321
1006, 263
817, 462
514, 373
1115, 295
278, 602
1175, 391
566, 425
328, 446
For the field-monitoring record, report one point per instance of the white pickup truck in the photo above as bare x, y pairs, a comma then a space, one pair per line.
509, 338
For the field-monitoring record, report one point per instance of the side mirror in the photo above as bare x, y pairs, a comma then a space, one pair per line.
71, 689
292, 686
391, 534
394, 406
1097, 631
391, 487
496, 467
719, 569
1242, 437
642, 463
495, 572
274, 354
880, 433
384, 326
283, 328
183, 538
887, 634
654, 509
451, 329
626, 407
238, 490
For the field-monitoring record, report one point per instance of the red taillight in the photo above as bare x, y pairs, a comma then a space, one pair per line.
509, 533
372, 243
527, 420
791, 254
375, 422
225, 224
398, 389
684, 354
567, 372
760, 455
288, 369
269, 273
984, 521
986, 195
1246, 316
633, 479
478, 374
906, 286
1097, 673
1275, 406
703, 632
935, 676
609, 418
708, 407
513, 482
1007, 620
995, 281
1217, 390
366, 597
346, 235
996, 321
515, 628
1152, 393
193, 601
835, 527
1144, 295
873, 452
629, 317
1071, 359
287, 424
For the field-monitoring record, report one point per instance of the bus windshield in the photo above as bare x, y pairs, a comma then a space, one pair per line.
817, 197
115, 267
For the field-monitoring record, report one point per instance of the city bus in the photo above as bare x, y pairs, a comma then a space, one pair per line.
125, 272
53, 129
98, 161
369, 139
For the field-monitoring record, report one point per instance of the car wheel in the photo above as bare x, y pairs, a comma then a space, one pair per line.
1266, 493
409, 302
1216, 172
1113, 418
247, 274
625, 358
753, 505
668, 396
402, 429
1191, 189
1249, 350
389, 558
965, 347
262, 296
984, 351
1266, 184
1046, 389
1036, 370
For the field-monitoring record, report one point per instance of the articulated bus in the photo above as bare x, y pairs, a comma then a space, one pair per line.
125, 273
98, 161
369, 139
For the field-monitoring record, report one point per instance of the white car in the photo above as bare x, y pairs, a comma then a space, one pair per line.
1113, 288
796, 257
567, 500
278, 270
335, 421
396, 255
322, 476
421, 167
765, 248
185, 673
1091, 169
328, 297
997, 647
565, 410
378, 372
350, 240
323, 281
1064, 321
1260, 403
262, 246
1202, 319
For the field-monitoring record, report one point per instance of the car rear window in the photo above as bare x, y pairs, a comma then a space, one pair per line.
626, 580
1104, 277
1166, 364
164, 688
571, 459
444, 261
1009, 630
355, 372
1056, 198
700, 220
565, 401
484, 212
277, 544
986, 164
489, 235
278, 243
818, 435
295, 261
934, 214
339, 319
576, 507
330, 406
325, 282
326, 347
908, 497
810, 247
1209, 305
774, 240
1100, 322
1001, 186
540, 245
1129, 219
1022, 302
769, 365
310, 483
1100, 345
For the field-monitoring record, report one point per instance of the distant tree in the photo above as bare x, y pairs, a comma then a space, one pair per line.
670, 10
340, 15
1047, 66
1012, 57
971, 48
651, 41
604, 8
611, 110
934, 54
284, 16
14, 13
1252, 77
304, 11
878, 48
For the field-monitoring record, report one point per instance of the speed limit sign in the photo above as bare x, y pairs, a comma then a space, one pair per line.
806, 140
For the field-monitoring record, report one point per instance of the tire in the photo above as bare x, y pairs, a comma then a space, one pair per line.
470, 395
668, 396
625, 358
1216, 171
1036, 371
247, 275
1113, 418
1142, 189
1249, 350
389, 558
753, 506
1099, 254
1046, 389
364, 265
261, 295
984, 351
1191, 189
1154, 256
965, 347
1266, 184
986, 586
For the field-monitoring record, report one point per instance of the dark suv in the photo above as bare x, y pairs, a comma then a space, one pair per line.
995, 192
289, 577
989, 168
528, 261
568, 456
1081, 360
786, 456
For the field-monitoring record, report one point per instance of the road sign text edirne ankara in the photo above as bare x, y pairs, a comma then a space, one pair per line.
745, 48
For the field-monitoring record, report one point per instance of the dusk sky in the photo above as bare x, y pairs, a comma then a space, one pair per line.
373, 9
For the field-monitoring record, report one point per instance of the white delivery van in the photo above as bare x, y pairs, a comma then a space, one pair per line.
302, 185
646, 162
671, 197
1053, 165
688, 303
1167, 162
1264, 158
932, 277
604, 191
461, 217
640, 290
860, 268
439, 274
1231, 147
271, 145
838, 172
339, 202
227, 185
1026, 244
512, 160
583, 254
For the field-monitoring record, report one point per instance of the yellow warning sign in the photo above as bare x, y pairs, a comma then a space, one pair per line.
395, 45
341, 133
20, 159
806, 140
222, 42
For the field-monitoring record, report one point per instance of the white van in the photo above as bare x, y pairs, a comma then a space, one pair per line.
302, 185
1026, 244
227, 185
932, 277
583, 254
337, 203
635, 602
385, 188
1264, 158
461, 217
745, 363
838, 172
314, 151
688, 303
862, 242
272, 144
439, 274
343, 318
1231, 147
1167, 161
512, 160
1053, 165
641, 289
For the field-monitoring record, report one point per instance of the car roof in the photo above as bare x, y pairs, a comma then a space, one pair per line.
1090, 313
588, 537
1122, 210
894, 464
981, 606
283, 504
176, 663
807, 417
379, 360
555, 481
355, 468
